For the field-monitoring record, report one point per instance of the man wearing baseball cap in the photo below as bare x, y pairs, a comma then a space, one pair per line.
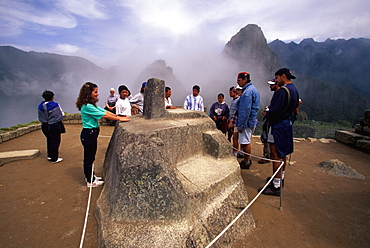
247, 108
279, 116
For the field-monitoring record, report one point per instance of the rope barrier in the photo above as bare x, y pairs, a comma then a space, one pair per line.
255, 156
87, 210
254, 199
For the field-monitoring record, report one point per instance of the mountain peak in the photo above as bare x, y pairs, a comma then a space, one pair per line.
249, 47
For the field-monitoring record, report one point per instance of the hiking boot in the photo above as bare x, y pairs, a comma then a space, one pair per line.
95, 184
271, 190
57, 161
263, 161
244, 165
240, 155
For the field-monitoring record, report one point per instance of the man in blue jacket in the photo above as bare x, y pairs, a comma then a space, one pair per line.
247, 109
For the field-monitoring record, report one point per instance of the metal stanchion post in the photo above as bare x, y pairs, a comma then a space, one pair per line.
281, 188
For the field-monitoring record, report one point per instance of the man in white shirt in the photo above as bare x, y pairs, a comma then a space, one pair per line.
167, 99
194, 101
137, 101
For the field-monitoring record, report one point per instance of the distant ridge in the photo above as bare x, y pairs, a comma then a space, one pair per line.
331, 76
25, 75
344, 62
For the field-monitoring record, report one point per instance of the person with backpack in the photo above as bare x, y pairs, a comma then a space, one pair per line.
280, 118
51, 117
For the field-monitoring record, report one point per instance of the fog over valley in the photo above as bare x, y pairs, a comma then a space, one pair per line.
318, 66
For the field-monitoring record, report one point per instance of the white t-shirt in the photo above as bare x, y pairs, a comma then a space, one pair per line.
167, 102
123, 107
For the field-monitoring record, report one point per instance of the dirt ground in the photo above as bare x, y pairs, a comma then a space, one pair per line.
43, 204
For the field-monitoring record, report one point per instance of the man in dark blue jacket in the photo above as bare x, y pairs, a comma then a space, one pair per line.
281, 110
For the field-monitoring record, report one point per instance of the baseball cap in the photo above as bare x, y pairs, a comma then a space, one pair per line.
143, 85
243, 75
238, 88
271, 82
285, 71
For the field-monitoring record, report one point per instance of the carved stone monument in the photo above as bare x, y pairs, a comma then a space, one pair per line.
171, 181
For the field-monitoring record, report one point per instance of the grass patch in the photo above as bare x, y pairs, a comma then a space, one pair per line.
8, 129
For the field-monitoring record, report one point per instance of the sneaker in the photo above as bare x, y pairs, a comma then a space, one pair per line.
98, 178
271, 190
57, 161
95, 184
245, 165
49, 158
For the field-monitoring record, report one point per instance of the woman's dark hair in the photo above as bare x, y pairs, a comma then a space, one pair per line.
85, 95
48, 95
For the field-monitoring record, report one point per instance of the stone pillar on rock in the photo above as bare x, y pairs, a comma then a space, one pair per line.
170, 181
154, 99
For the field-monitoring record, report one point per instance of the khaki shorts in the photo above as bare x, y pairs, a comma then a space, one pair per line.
246, 135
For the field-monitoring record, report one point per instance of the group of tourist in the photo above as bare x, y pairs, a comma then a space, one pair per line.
239, 120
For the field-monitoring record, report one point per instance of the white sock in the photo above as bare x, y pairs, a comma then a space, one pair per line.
276, 182
283, 175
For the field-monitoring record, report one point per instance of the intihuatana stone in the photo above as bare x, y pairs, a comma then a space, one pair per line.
170, 182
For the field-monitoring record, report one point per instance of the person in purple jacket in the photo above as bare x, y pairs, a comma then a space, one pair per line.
219, 113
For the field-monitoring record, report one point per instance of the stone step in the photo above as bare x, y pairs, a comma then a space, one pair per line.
353, 139
10, 156
216, 185
205, 173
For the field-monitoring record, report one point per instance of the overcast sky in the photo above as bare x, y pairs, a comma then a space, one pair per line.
107, 32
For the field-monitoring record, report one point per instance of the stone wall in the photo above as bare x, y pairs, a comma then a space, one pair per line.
364, 126
19, 132
69, 119
360, 137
